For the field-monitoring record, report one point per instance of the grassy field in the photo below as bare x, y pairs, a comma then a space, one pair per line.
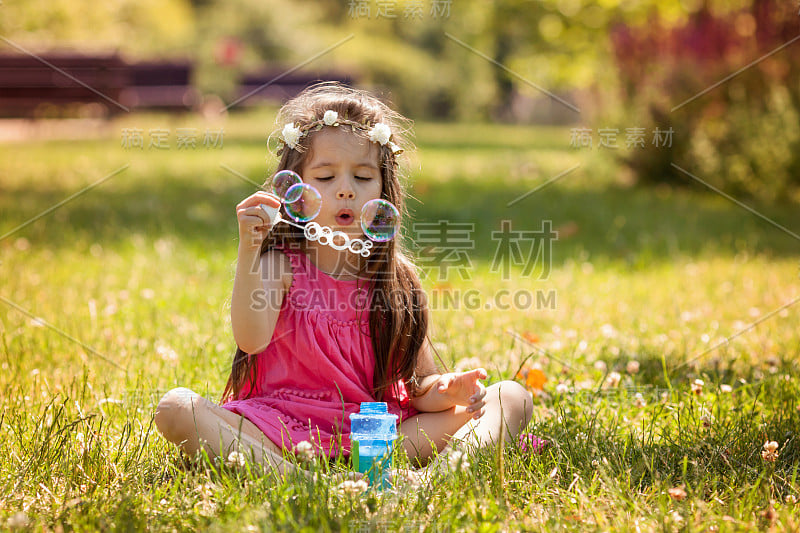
122, 292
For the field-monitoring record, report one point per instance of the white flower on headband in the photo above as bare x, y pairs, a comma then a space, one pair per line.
291, 134
380, 133
330, 117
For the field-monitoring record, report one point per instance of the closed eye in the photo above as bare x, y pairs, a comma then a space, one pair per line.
326, 178
363, 178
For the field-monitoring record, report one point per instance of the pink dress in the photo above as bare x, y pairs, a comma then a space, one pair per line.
319, 365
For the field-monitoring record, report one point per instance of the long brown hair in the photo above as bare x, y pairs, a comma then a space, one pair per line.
398, 315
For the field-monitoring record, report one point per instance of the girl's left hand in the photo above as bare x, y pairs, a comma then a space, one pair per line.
463, 388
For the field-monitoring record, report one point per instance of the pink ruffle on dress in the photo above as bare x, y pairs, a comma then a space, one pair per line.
319, 365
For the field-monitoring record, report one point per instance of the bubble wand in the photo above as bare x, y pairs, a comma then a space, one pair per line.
380, 219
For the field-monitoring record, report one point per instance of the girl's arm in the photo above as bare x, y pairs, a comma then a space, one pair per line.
427, 397
260, 283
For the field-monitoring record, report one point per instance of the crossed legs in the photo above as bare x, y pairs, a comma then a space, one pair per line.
193, 423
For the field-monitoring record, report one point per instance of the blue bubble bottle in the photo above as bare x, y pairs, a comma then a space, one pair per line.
372, 436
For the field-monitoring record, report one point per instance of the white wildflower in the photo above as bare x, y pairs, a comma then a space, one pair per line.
725, 388
166, 353
613, 379
352, 488
458, 461
330, 117
677, 493
304, 451
608, 331
380, 133
632, 367
562, 388
600, 366
81, 442
291, 134
235, 459
697, 386
638, 400
770, 452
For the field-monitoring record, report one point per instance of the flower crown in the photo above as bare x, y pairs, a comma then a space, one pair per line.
378, 132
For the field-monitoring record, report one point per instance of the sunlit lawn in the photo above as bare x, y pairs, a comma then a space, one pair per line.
130, 282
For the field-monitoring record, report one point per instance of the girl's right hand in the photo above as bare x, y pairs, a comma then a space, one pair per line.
254, 223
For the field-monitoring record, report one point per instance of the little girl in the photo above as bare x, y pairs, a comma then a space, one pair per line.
320, 330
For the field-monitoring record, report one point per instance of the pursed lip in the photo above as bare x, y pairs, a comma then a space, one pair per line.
345, 217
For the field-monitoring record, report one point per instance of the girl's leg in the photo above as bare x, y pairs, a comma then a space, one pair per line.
457, 427
193, 422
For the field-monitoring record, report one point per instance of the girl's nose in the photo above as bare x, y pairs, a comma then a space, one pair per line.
345, 195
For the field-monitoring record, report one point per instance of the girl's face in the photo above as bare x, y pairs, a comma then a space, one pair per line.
344, 169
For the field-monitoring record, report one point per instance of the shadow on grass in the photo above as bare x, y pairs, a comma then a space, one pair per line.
634, 226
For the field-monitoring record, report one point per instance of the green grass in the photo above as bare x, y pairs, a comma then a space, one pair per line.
139, 270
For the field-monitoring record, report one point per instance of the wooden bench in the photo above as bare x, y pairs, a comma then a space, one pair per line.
54, 84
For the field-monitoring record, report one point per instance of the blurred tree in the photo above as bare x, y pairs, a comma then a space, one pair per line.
736, 126
137, 28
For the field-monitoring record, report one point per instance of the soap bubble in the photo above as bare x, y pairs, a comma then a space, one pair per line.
302, 202
380, 220
282, 181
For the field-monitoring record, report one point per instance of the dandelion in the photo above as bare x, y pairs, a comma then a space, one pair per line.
352, 488
562, 388
235, 459
600, 366
697, 386
304, 451
725, 388
458, 461
677, 493
613, 379
638, 400
770, 451
632, 367
532, 442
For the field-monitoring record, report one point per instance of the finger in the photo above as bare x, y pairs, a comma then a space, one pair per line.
480, 373
479, 394
477, 406
261, 197
252, 221
445, 383
479, 414
256, 212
